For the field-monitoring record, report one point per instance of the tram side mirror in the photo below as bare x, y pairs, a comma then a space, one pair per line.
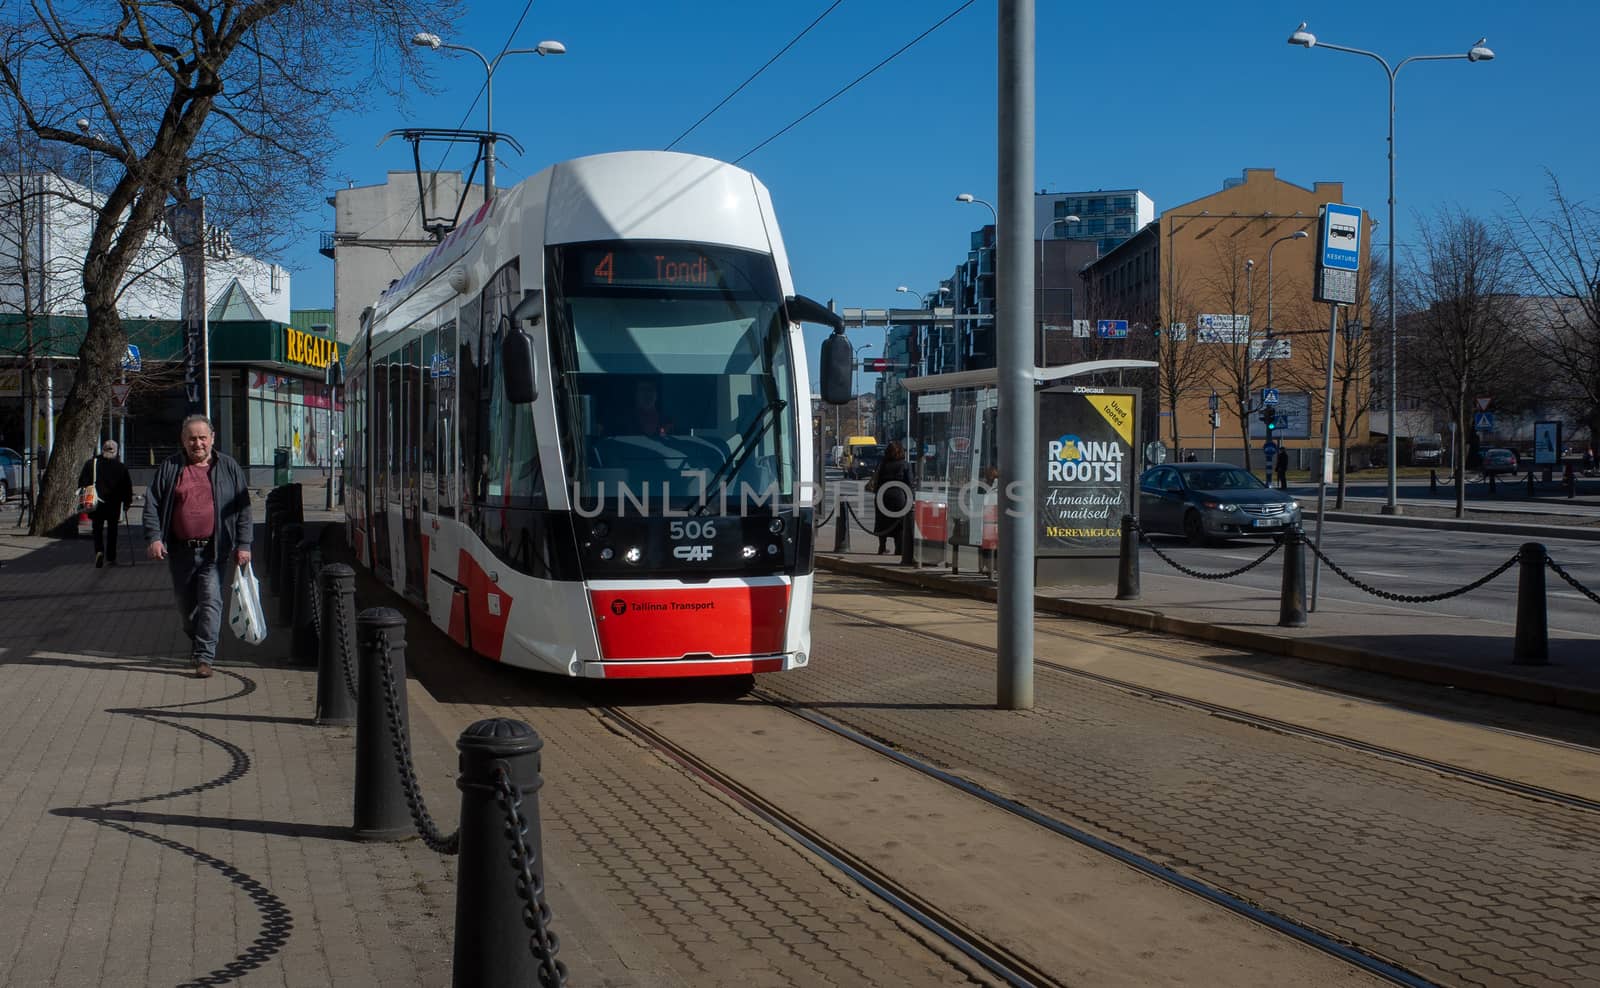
834, 373
516, 352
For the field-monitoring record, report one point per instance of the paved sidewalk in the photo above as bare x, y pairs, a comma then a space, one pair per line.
1473, 654
160, 829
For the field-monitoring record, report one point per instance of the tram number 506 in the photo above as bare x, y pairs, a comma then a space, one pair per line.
680, 531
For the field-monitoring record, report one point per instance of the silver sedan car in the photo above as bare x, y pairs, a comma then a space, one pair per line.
1205, 501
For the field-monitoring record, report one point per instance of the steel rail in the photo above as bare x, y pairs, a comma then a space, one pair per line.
993, 958
1279, 726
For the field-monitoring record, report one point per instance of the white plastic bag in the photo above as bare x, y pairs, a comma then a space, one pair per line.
245, 615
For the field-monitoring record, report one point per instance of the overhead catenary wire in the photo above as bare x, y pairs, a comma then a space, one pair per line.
856, 81
792, 42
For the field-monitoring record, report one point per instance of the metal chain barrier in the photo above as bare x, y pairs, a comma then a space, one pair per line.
316, 606
828, 517
1571, 580
444, 844
851, 513
1200, 574
542, 943
1413, 598
346, 660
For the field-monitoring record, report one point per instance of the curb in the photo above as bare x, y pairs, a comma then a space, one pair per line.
1466, 525
1144, 619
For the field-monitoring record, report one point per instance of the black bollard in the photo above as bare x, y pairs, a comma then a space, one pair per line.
1292, 598
1433, 481
841, 528
908, 532
1532, 646
1572, 484
288, 583
290, 534
303, 637
1530, 483
1491, 483
269, 571
491, 943
380, 800
336, 650
1128, 560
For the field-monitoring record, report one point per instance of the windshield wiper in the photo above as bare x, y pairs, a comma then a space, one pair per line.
741, 452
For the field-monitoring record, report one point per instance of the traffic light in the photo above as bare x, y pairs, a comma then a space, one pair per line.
1270, 419
1158, 333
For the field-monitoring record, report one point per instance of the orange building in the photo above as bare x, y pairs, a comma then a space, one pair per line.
1228, 280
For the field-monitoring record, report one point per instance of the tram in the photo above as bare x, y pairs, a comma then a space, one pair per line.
580, 428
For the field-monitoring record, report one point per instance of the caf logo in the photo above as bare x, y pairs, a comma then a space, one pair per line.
619, 607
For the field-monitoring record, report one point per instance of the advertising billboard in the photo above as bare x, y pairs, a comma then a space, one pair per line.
1087, 469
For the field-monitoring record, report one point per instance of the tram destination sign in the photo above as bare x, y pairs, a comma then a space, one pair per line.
650, 266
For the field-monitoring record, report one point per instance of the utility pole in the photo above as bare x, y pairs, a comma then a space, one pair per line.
1014, 349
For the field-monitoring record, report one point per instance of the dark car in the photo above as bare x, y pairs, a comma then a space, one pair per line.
10, 473
1203, 501
1499, 460
865, 462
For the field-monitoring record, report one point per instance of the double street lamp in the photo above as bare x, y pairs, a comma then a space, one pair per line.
1479, 52
428, 40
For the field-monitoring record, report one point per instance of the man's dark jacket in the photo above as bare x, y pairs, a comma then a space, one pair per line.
229, 492
111, 483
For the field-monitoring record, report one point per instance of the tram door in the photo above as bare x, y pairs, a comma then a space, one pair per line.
411, 411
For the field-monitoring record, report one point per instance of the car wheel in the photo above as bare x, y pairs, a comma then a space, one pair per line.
1193, 528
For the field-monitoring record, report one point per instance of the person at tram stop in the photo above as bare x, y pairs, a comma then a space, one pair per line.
197, 517
891, 485
115, 491
1282, 468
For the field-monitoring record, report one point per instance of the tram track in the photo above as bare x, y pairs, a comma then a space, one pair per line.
1275, 725
997, 960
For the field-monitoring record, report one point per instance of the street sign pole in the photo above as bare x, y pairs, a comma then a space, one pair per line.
1324, 471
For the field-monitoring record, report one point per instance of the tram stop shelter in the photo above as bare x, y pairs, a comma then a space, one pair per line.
1087, 466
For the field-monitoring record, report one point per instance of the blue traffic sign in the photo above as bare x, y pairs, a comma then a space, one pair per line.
1341, 237
1270, 449
1269, 396
131, 361
1113, 329
1482, 421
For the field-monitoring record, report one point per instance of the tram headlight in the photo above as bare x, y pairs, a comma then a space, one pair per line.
749, 552
776, 526
772, 549
606, 554
600, 530
633, 555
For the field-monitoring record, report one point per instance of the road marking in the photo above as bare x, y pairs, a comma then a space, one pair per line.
1568, 594
1379, 572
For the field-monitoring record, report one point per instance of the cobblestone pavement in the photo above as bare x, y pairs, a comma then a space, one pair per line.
1461, 883
159, 829
720, 897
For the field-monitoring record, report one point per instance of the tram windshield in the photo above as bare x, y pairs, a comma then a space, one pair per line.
674, 374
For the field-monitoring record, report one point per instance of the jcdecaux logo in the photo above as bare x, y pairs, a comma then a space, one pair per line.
1071, 459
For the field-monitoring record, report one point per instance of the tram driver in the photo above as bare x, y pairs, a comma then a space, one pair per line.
648, 418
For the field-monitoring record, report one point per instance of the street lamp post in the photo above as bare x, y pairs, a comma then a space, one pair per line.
428, 40
1043, 358
1296, 235
1479, 52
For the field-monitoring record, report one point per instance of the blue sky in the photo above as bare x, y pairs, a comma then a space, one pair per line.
1170, 98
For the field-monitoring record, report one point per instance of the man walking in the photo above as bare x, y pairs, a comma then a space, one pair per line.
197, 518
115, 491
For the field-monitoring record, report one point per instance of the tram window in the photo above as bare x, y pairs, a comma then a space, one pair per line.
430, 424
397, 437
445, 434
380, 430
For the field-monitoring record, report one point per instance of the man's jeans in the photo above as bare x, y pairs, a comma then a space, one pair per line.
198, 580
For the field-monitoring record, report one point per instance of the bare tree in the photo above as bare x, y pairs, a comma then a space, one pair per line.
1560, 252
223, 100
1184, 365
1352, 364
1231, 280
1458, 290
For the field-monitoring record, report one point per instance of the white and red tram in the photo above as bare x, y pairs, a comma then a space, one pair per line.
580, 428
